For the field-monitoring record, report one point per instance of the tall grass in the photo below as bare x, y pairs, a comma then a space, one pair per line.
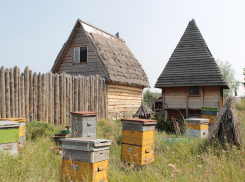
195, 161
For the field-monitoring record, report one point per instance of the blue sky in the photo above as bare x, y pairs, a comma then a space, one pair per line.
33, 32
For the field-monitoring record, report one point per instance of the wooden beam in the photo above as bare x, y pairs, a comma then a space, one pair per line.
163, 101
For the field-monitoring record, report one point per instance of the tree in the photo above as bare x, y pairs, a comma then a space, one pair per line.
229, 76
149, 97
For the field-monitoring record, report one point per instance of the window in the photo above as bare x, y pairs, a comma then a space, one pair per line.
194, 91
80, 55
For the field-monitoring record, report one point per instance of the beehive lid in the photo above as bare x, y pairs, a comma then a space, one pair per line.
209, 109
14, 119
139, 121
8, 124
197, 121
88, 141
84, 113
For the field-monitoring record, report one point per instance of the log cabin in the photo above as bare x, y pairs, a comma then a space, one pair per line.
191, 78
92, 51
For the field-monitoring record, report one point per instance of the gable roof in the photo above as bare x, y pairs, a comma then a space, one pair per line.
191, 63
118, 61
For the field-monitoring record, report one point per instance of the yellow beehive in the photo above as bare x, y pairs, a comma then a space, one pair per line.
211, 118
139, 155
196, 126
22, 129
138, 137
84, 171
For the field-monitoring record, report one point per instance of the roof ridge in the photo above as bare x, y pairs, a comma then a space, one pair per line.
100, 29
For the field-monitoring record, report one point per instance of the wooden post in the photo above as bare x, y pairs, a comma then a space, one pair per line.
50, 97
70, 96
75, 93
2, 81
67, 100
202, 96
56, 98
22, 96
187, 108
12, 101
64, 99
80, 91
163, 101
106, 112
35, 100
7, 93
39, 94
91, 93
26, 90
16, 90
53, 97
19, 95
43, 97
61, 99
30, 96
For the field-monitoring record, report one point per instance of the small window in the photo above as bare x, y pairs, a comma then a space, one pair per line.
80, 55
194, 91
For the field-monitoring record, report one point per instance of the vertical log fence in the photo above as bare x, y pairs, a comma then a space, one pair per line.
50, 97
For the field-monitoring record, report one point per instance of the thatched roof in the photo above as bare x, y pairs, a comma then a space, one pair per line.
191, 63
143, 111
226, 128
117, 60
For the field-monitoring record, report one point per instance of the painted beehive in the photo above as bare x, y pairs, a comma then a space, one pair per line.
22, 129
210, 113
138, 137
9, 137
196, 127
85, 159
83, 124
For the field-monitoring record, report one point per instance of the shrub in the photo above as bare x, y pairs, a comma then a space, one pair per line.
37, 129
163, 125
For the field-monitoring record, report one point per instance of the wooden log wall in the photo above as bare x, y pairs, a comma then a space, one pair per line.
50, 97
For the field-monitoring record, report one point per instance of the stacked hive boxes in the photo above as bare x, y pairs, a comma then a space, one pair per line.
196, 127
83, 124
85, 159
138, 137
9, 137
22, 129
210, 113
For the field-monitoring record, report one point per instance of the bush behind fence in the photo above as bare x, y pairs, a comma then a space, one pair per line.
50, 97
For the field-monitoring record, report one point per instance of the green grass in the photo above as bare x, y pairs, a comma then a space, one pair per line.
195, 161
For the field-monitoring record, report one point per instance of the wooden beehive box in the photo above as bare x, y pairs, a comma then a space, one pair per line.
138, 131
85, 159
197, 127
9, 137
22, 129
83, 124
138, 138
210, 113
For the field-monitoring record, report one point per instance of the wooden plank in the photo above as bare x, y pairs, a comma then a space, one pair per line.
50, 98
43, 96
39, 94
64, 100
61, 85
75, 93
70, 96
106, 100
30, 96
187, 109
56, 100
67, 100
35, 97
16, 90
2, 82
22, 96
7, 93
26, 89
80, 95
53, 98
12, 100
91, 93
19, 95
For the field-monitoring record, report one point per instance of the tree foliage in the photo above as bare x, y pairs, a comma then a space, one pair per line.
149, 97
229, 76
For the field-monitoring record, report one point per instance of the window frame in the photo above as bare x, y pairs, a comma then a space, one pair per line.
74, 55
194, 95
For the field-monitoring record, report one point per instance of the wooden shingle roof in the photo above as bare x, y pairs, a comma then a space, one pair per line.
117, 60
191, 63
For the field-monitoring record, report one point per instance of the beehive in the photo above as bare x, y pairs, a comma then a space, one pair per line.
85, 159
22, 129
210, 113
138, 138
196, 127
83, 124
9, 137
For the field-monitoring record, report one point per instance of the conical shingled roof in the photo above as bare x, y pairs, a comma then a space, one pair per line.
191, 63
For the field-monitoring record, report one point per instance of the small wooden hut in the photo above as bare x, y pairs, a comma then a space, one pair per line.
143, 112
92, 51
191, 79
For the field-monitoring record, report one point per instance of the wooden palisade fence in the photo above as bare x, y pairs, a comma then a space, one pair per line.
50, 97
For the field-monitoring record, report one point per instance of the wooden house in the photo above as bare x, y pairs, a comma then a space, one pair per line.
191, 79
92, 51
